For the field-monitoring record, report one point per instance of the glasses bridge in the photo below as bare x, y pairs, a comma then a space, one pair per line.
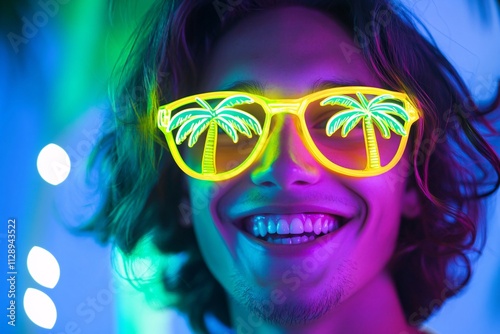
290, 108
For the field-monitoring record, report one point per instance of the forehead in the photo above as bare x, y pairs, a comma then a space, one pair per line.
287, 50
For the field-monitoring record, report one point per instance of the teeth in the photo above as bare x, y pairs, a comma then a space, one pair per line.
255, 230
296, 226
317, 226
290, 241
271, 226
283, 227
293, 224
262, 228
308, 225
286, 241
324, 227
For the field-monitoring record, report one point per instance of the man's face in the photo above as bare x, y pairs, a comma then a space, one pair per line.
288, 50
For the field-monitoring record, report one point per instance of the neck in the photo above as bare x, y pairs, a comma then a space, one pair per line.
373, 309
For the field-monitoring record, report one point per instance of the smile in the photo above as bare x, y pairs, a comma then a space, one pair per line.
291, 229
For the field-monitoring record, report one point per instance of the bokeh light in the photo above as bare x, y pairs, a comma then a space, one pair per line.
53, 164
40, 308
43, 267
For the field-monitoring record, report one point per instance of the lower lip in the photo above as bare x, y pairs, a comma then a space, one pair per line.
279, 238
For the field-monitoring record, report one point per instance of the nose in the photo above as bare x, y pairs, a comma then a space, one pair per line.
286, 163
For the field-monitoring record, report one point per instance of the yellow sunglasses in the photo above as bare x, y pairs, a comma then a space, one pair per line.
356, 131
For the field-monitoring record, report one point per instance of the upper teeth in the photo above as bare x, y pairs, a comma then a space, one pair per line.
261, 225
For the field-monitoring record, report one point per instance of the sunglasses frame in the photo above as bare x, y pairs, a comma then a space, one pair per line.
295, 107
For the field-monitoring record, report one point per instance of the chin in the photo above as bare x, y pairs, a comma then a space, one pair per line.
283, 307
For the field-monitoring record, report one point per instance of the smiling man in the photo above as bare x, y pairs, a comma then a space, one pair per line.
314, 198
319, 259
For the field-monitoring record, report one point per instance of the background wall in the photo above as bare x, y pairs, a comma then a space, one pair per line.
55, 59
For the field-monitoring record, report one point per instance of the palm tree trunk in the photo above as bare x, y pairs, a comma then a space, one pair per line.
372, 146
208, 160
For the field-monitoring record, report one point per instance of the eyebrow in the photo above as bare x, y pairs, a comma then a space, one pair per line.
259, 88
249, 86
325, 84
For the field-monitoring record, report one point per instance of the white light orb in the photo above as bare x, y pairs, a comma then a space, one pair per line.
53, 164
43, 267
40, 308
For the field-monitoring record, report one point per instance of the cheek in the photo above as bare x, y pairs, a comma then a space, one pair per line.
378, 235
213, 246
386, 207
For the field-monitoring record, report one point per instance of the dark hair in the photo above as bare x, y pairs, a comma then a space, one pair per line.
451, 163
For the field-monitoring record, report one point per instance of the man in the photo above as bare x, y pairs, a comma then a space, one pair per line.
305, 226
324, 285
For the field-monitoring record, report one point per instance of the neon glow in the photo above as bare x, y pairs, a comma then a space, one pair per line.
195, 121
386, 110
374, 112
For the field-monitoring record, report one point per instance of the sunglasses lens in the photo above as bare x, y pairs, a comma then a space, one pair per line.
352, 138
217, 141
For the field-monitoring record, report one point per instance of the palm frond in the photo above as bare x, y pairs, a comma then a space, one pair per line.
253, 124
245, 117
391, 122
362, 99
238, 124
205, 104
378, 99
337, 120
382, 126
392, 108
350, 124
196, 132
188, 126
341, 100
228, 128
233, 100
184, 115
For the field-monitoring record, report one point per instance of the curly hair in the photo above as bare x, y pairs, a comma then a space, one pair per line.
451, 163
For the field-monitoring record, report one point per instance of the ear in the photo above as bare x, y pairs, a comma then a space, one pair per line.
411, 208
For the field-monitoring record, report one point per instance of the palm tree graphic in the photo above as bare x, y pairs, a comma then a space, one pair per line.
377, 111
194, 121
